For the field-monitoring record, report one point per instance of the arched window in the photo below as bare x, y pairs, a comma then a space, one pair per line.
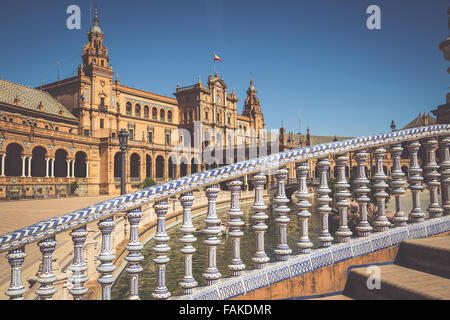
169, 116
129, 109
61, 163
154, 113
160, 167
162, 115
218, 99
146, 112
137, 110
80, 165
134, 165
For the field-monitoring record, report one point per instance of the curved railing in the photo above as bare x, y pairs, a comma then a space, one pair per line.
44, 232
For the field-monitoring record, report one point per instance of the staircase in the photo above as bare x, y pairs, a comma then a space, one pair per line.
421, 271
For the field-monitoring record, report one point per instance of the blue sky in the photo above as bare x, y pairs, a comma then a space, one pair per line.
313, 60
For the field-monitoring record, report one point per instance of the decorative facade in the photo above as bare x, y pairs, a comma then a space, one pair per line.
67, 131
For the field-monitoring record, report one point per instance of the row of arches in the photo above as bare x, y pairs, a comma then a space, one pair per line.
145, 112
15, 164
135, 164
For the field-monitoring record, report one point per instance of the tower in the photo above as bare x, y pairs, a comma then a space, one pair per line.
95, 52
252, 108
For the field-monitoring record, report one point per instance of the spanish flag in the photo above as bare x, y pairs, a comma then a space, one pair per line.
216, 57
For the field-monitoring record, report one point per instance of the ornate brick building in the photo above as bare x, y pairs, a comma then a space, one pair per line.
66, 131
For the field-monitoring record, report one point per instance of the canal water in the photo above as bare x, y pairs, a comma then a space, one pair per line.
175, 270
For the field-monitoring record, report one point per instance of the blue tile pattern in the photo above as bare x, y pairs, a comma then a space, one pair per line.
381, 241
321, 258
230, 289
300, 266
255, 280
202, 179
417, 231
361, 246
398, 235
342, 252
278, 274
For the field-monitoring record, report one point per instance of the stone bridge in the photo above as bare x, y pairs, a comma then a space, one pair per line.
307, 271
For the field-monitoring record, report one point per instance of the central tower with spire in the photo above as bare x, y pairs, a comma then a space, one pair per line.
95, 52
252, 108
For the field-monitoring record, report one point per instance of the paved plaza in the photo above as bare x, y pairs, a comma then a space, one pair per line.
21, 213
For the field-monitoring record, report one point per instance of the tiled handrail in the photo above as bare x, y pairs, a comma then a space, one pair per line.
105, 209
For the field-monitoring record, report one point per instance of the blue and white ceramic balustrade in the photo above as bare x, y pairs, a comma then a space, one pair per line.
343, 244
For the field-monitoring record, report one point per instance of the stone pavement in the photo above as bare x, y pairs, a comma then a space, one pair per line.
21, 213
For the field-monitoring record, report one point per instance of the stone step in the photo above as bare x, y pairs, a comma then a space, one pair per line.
397, 283
431, 255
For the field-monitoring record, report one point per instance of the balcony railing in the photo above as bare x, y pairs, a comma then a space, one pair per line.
430, 138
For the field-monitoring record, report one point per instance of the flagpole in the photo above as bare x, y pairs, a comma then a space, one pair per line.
214, 66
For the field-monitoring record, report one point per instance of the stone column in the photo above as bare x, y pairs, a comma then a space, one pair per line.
432, 176
303, 204
53, 167
68, 168
323, 200
3, 165
161, 249
188, 282
29, 166
260, 257
342, 194
379, 185
415, 182
444, 162
282, 250
212, 274
235, 223
397, 185
73, 168
23, 167
87, 169
361, 190
46, 167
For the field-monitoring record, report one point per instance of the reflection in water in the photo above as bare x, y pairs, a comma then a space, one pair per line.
175, 270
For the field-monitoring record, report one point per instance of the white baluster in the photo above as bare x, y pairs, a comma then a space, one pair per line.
16, 257
260, 257
212, 274
444, 162
323, 200
342, 194
415, 182
361, 190
397, 185
78, 266
379, 185
304, 204
188, 238
235, 223
432, 176
282, 250
47, 278
161, 249
106, 257
134, 256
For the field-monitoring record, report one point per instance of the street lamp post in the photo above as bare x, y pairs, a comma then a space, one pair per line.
123, 141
